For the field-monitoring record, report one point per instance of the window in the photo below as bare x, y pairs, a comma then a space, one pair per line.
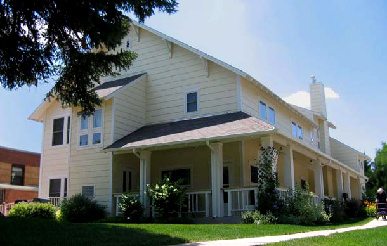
254, 174
97, 118
65, 187
271, 116
126, 180
128, 45
97, 138
84, 122
262, 110
84, 140
17, 175
294, 129
88, 191
300, 133
226, 178
54, 189
91, 129
311, 137
303, 184
68, 130
177, 174
57, 132
192, 102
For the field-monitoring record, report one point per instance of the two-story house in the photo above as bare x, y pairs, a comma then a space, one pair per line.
19, 175
180, 112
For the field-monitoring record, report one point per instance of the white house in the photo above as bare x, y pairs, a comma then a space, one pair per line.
181, 112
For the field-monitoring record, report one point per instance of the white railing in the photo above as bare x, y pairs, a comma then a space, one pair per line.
282, 192
117, 197
56, 201
239, 199
199, 201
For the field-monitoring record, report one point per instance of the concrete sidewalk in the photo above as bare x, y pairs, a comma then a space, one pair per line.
281, 238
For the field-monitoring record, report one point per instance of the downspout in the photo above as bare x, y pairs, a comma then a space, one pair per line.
209, 145
136, 153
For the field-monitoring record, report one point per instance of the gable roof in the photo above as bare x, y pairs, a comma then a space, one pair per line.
193, 130
225, 65
309, 113
106, 89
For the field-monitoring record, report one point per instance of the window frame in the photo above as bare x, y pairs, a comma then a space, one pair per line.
253, 166
300, 132
296, 129
186, 92
65, 117
62, 184
170, 169
23, 174
275, 117
90, 131
261, 104
92, 185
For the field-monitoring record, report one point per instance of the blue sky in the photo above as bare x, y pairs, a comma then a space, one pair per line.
280, 43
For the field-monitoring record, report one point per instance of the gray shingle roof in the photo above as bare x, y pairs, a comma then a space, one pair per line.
191, 130
109, 87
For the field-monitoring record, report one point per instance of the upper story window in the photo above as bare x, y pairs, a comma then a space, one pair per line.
17, 175
90, 132
300, 132
60, 134
262, 111
271, 116
311, 137
294, 129
192, 102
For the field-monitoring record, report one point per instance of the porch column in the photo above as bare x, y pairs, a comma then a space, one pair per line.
361, 188
288, 167
347, 185
318, 179
217, 179
339, 181
267, 141
145, 165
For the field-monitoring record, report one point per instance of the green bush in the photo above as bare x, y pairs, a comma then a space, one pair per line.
33, 210
167, 197
353, 208
132, 207
299, 209
255, 217
336, 209
80, 209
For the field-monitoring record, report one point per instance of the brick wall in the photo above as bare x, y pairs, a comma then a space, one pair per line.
11, 195
5, 172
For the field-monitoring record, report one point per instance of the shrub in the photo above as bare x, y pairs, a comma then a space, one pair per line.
352, 208
80, 209
299, 209
132, 207
256, 217
370, 208
336, 209
33, 210
167, 197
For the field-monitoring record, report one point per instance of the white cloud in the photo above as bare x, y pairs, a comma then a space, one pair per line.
302, 98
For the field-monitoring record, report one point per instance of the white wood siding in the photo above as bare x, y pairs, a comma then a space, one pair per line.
344, 154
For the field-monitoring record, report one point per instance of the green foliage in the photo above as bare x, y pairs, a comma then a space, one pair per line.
299, 209
33, 210
167, 197
80, 209
132, 207
267, 181
255, 217
353, 208
336, 209
64, 39
376, 172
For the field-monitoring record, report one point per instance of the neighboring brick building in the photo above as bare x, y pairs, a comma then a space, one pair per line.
19, 174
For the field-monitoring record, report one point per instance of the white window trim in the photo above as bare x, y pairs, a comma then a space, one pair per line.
297, 130
64, 116
172, 168
268, 106
89, 132
197, 90
62, 181
300, 137
88, 185
259, 109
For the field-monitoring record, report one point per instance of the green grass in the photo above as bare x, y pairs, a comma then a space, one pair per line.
42, 232
374, 237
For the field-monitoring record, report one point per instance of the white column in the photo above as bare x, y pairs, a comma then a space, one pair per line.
217, 179
339, 181
145, 165
318, 179
288, 167
347, 185
361, 188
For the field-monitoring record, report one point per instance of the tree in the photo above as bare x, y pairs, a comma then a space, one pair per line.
68, 40
377, 172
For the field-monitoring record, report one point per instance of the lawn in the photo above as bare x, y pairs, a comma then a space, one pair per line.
374, 237
37, 232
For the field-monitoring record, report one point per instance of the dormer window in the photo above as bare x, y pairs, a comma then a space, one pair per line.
192, 102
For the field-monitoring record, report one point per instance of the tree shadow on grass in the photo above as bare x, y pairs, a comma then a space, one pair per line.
44, 232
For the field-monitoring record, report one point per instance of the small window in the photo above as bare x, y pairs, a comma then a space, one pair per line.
97, 118
54, 189
262, 111
300, 133
84, 140
311, 137
84, 122
68, 130
192, 102
178, 174
88, 191
57, 133
97, 138
254, 174
17, 175
294, 129
128, 44
271, 116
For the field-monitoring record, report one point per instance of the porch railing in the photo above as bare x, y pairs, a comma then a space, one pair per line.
199, 201
241, 199
117, 198
56, 201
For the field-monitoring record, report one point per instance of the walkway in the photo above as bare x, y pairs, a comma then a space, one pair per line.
281, 238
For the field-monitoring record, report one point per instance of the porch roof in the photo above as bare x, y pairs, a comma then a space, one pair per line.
192, 130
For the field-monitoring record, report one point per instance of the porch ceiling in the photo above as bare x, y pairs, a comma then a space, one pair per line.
217, 127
